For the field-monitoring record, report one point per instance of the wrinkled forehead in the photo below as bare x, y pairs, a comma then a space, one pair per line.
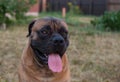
54, 23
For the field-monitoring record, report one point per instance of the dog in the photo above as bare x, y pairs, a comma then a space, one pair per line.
44, 58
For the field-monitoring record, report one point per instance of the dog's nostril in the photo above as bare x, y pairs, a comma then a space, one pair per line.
58, 41
55, 41
61, 41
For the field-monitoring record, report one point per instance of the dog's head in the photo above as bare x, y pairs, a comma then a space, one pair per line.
49, 41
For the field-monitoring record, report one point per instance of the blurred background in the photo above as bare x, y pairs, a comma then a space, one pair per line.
94, 29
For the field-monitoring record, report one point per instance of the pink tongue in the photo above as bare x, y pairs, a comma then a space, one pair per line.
55, 62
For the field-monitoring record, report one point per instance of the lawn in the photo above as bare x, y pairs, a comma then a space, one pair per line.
94, 55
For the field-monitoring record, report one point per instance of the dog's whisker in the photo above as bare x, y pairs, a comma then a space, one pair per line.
46, 55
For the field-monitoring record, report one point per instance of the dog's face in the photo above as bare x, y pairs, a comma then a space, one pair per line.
48, 36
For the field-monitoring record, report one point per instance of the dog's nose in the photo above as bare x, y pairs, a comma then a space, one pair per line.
58, 41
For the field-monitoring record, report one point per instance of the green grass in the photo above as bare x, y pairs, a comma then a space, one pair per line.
71, 19
94, 55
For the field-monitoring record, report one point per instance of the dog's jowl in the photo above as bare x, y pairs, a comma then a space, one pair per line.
44, 58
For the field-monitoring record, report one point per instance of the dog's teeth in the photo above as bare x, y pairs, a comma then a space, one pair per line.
45, 55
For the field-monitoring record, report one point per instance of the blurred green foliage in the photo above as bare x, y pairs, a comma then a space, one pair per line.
110, 21
74, 9
11, 10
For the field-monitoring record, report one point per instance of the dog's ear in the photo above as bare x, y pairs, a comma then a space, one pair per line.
30, 28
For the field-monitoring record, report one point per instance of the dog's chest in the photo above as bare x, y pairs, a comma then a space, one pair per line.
46, 75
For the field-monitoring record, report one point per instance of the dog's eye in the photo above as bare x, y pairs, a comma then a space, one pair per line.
64, 34
44, 32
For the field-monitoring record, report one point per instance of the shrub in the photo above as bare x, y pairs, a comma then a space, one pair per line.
109, 21
13, 9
